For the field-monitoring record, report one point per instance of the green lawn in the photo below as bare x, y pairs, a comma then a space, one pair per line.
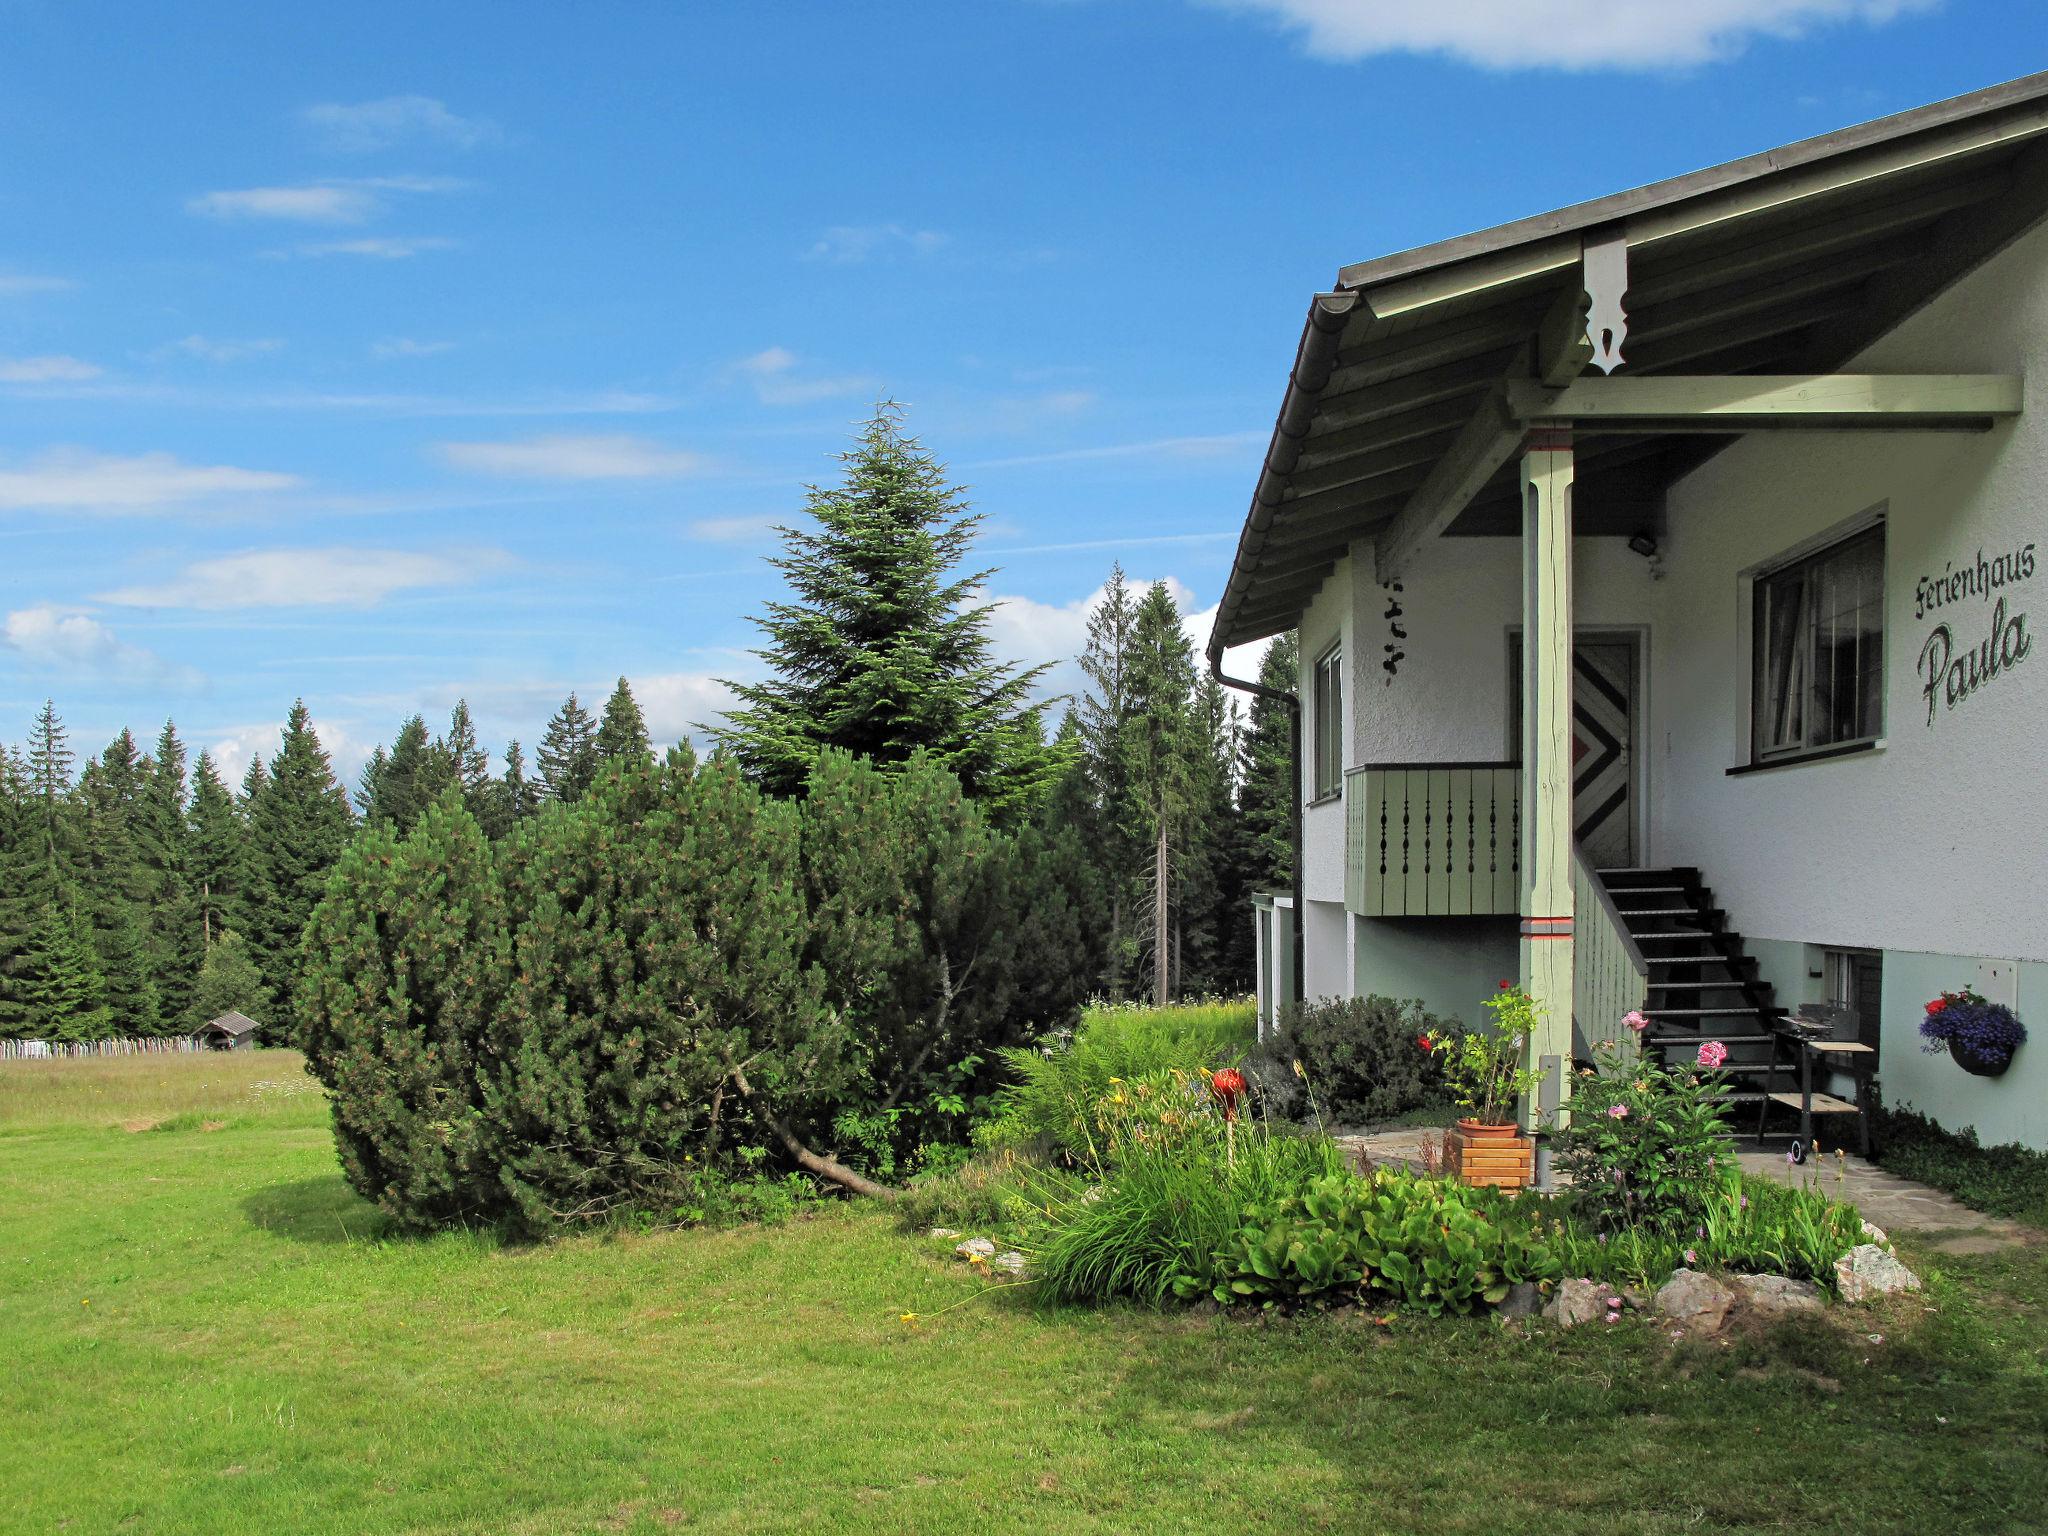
204, 1333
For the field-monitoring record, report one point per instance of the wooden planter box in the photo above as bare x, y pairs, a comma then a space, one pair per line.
1497, 1155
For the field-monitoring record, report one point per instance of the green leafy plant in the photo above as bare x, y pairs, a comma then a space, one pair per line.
1750, 1225
1053, 1103
1647, 1144
1417, 1240
2006, 1180
1487, 1068
1361, 1054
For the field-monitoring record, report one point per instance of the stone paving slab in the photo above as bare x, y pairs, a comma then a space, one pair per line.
1893, 1203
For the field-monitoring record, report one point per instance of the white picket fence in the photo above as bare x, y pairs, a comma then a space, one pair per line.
43, 1050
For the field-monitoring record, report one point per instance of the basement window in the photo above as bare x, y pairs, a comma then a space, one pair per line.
1329, 723
1817, 684
1854, 979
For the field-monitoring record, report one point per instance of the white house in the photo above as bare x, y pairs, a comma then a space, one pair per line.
1670, 573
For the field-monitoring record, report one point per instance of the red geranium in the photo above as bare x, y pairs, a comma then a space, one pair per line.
1937, 1005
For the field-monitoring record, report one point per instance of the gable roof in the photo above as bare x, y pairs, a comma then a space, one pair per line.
1790, 261
231, 1023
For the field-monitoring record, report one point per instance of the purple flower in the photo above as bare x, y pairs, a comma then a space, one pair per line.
1691, 1257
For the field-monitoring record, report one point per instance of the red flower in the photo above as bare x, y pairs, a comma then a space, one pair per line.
1505, 985
1228, 1085
1423, 1041
1937, 1005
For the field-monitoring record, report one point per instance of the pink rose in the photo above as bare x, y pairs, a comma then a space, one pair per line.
1636, 1020
1712, 1054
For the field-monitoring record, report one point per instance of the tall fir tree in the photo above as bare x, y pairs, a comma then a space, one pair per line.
114, 887
174, 939
469, 761
882, 650
568, 753
1162, 749
49, 761
398, 786
49, 975
299, 822
622, 734
1269, 790
1100, 718
219, 858
513, 796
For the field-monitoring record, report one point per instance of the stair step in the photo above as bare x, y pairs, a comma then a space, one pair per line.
1650, 869
1672, 1042
1703, 1013
1663, 911
1711, 957
1700, 986
1683, 933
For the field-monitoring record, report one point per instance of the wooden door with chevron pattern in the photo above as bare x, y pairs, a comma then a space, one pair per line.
1605, 724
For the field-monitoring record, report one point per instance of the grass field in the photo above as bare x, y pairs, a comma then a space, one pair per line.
207, 1333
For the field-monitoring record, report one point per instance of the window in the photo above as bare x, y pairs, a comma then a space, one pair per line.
1329, 723
1854, 979
1818, 653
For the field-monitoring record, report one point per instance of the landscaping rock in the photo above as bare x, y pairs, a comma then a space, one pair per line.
1522, 1300
1875, 1234
1576, 1302
1776, 1295
944, 1232
975, 1248
1695, 1300
1868, 1271
1011, 1263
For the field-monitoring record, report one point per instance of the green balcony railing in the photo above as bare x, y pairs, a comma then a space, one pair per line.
1432, 839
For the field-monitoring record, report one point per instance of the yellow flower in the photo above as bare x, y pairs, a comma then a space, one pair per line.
909, 1317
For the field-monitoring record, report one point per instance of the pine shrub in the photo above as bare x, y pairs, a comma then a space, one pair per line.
1359, 1059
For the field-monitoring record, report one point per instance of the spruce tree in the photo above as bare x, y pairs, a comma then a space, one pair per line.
49, 978
219, 863
470, 763
568, 753
882, 650
512, 798
399, 785
49, 760
1103, 713
299, 822
1269, 787
228, 982
622, 733
1162, 746
114, 886
174, 937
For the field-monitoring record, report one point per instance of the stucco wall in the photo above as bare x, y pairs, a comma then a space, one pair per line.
1938, 841
1322, 825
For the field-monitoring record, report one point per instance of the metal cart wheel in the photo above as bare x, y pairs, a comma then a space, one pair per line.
1797, 1151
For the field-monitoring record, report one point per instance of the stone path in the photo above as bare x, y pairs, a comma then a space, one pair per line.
1885, 1199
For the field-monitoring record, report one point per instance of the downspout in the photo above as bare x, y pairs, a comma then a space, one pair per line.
1292, 703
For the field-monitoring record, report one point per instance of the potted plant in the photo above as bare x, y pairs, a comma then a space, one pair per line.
1980, 1035
1488, 1073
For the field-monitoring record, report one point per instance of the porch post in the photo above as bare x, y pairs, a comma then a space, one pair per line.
1546, 850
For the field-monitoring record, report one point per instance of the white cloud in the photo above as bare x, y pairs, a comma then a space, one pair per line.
1572, 35
52, 369
347, 748
1031, 632
74, 477
673, 703
866, 242
377, 247
777, 378
336, 201
733, 530
217, 349
406, 346
71, 640
15, 284
363, 126
336, 577
615, 456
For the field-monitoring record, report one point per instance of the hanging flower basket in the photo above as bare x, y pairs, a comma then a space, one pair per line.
1980, 1036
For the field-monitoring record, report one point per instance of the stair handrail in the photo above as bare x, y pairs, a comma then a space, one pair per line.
1600, 894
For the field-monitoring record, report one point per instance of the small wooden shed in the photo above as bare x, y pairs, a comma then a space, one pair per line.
229, 1032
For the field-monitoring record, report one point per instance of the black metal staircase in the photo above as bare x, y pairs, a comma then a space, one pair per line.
1703, 983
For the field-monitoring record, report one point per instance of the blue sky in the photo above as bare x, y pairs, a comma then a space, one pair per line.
383, 354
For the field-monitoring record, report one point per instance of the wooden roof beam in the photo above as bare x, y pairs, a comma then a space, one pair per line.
1749, 403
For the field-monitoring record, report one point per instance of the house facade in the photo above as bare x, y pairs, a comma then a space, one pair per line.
1669, 574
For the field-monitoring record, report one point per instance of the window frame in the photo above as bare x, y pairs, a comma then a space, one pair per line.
1763, 582
1844, 969
1327, 770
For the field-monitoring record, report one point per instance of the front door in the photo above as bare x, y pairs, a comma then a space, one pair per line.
1605, 668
